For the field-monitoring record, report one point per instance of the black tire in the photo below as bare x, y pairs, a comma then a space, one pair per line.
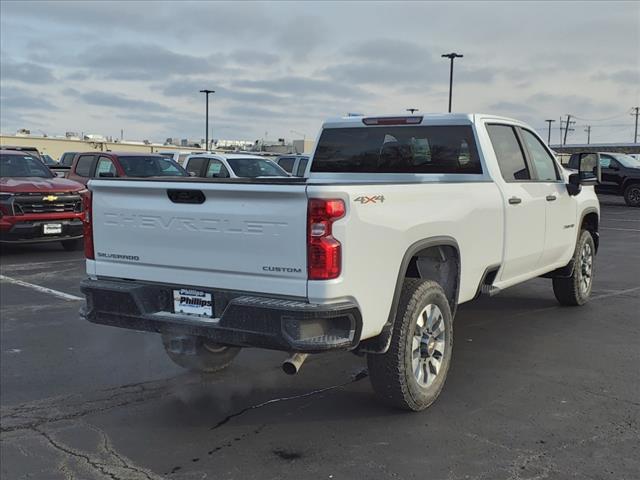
392, 373
632, 195
72, 245
208, 357
571, 291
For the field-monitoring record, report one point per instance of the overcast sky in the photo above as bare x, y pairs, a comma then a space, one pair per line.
99, 67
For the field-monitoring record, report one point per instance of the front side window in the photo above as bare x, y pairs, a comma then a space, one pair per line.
513, 166
140, 166
542, 160
23, 166
106, 168
394, 149
85, 165
627, 160
255, 167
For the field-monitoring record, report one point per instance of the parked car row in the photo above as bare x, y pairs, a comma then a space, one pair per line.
620, 174
42, 200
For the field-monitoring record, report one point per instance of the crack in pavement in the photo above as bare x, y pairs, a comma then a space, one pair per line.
41, 412
362, 374
356, 378
108, 468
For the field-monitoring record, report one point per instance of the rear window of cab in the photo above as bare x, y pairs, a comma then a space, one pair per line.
394, 149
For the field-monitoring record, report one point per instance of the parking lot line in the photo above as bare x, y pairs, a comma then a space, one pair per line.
56, 293
621, 229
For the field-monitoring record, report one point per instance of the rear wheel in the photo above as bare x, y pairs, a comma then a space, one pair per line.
411, 374
72, 245
206, 357
632, 195
576, 289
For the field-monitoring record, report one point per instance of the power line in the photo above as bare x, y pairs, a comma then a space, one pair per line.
600, 119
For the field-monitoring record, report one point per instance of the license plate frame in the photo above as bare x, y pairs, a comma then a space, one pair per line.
52, 228
189, 301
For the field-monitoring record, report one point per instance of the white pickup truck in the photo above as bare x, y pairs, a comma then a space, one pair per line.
401, 220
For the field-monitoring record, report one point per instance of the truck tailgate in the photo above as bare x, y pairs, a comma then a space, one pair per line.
235, 236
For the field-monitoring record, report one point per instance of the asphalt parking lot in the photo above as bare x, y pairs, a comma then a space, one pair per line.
535, 391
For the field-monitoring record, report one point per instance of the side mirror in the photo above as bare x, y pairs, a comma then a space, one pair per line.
589, 173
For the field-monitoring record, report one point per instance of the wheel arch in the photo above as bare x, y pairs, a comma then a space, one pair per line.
590, 221
434, 258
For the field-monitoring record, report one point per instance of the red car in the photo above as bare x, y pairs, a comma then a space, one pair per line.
37, 206
90, 165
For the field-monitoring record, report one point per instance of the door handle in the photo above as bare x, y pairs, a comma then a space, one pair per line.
551, 198
515, 200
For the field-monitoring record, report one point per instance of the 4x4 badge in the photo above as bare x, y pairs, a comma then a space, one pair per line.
374, 199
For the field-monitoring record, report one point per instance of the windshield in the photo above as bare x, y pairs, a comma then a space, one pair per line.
23, 166
627, 160
49, 161
151, 167
255, 167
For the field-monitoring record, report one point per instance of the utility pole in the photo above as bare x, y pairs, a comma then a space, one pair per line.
411, 110
567, 127
549, 136
206, 128
588, 130
451, 56
636, 114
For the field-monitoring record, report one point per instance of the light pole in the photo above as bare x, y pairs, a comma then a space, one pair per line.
549, 136
206, 131
451, 56
411, 110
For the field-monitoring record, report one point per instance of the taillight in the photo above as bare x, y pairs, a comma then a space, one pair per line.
324, 253
87, 224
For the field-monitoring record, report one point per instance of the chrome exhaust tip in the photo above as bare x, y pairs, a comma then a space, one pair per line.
292, 365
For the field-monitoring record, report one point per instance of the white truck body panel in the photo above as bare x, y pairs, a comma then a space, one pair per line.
251, 237
236, 240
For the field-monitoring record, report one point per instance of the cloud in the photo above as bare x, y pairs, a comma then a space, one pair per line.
142, 62
113, 100
627, 76
26, 72
298, 85
18, 99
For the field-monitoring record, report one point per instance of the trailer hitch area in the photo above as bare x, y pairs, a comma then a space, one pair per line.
183, 345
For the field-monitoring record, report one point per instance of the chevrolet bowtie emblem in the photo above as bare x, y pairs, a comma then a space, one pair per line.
50, 198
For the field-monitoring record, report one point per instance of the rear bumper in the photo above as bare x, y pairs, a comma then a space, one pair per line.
242, 319
33, 231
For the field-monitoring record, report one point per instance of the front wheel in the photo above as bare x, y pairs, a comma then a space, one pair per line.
576, 289
632, 195
411, 374
207, 357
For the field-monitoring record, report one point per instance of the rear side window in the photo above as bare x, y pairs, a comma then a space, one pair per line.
67, 159
105, 168
542, 160
508, 153
286, 163
195, 165
392, 149
216, 170
302, 166
85, 165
